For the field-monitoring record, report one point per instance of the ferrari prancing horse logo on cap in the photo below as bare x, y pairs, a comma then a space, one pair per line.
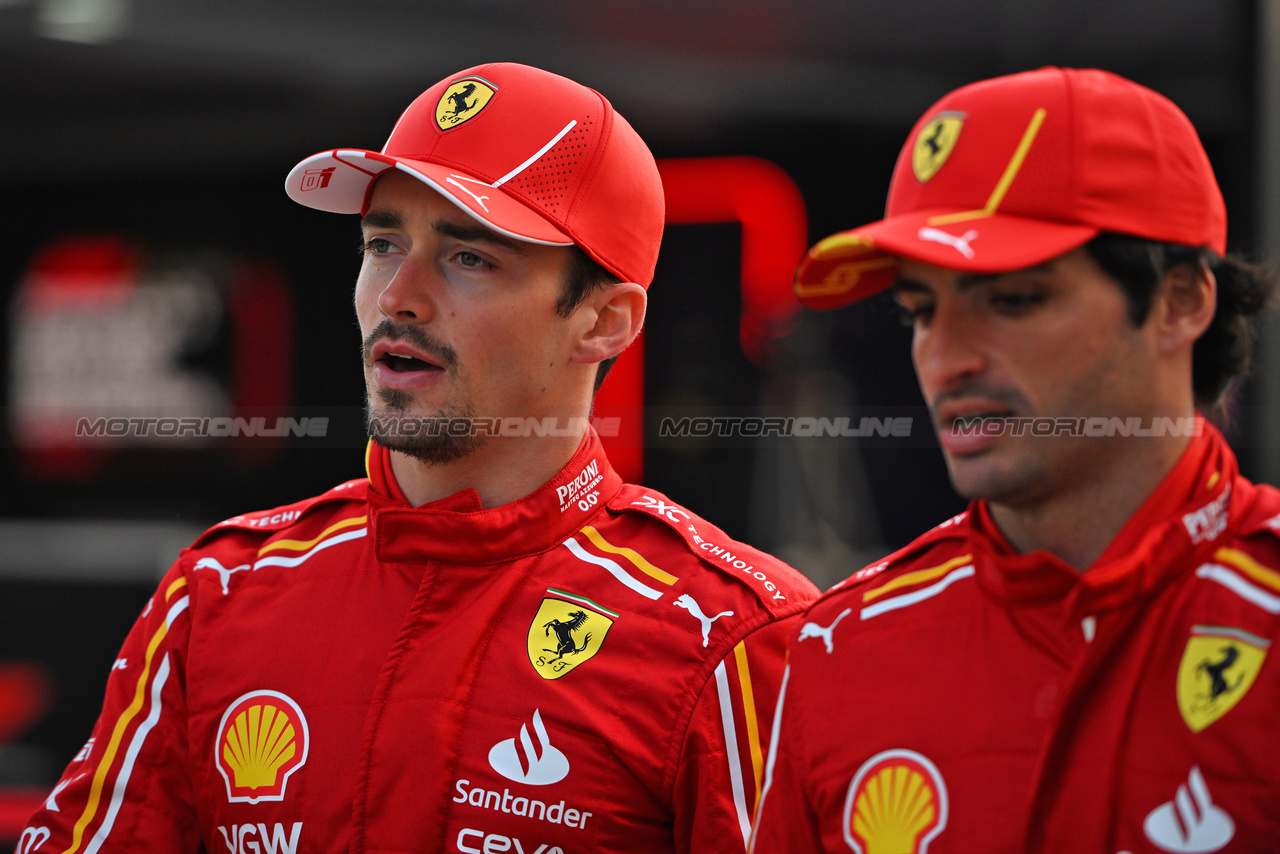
463, 101
934, 144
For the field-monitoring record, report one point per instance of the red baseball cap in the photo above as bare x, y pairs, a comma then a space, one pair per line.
1010, 172
528, 153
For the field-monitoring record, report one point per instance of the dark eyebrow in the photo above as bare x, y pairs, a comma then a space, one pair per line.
475, 233
964, 282
903, 285
381, 219
969, 280
465, 231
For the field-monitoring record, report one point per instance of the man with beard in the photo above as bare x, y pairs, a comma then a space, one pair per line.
490, 643
1080, 661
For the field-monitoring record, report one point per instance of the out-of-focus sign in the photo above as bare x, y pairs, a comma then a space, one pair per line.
112, 347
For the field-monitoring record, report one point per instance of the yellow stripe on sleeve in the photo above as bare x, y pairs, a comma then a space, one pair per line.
917, 577
303, 545
177, 585
1250, 567
117, 735
749, 708
630, 554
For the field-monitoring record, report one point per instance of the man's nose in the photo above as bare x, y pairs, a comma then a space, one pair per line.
947, 352
409, 296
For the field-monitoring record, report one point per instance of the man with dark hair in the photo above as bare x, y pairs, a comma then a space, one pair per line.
491, 643
1223, 351
1080, 661
583, 277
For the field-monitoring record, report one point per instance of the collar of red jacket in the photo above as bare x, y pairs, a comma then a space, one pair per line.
458, 529
1181, 523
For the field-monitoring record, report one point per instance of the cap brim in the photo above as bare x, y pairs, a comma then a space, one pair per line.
856, 264
341, 181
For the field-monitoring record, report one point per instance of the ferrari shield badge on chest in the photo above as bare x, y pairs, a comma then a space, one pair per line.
1218, 668
463, 101
934, 144
567, 630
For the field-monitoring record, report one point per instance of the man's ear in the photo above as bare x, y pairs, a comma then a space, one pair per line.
616, 316
1185, 304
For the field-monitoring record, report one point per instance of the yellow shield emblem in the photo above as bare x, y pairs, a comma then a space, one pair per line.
463, 101
1218, 668
567, 631
934, 145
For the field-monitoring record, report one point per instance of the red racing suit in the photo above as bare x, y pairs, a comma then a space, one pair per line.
586, 669
959, 697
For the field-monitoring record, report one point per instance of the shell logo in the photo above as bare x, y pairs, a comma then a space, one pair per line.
262, 740
897, 804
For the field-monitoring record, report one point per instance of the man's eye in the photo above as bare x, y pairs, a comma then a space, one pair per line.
910, 315
376, 246
1014, 303
471, 259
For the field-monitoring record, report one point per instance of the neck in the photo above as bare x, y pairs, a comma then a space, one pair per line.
1077, 524
502, 470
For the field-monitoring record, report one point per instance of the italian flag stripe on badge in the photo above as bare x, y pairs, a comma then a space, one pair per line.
581, 600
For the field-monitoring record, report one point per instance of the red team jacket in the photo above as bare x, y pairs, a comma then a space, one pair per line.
959, 697
587, 669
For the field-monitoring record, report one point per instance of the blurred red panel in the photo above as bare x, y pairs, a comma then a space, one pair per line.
767, 204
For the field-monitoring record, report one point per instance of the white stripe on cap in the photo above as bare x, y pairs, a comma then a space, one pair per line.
541, 151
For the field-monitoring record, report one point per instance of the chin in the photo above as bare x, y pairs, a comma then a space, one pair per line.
980, 477
434, 438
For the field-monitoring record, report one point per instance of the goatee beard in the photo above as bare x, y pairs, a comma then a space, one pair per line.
444, 437
435, 439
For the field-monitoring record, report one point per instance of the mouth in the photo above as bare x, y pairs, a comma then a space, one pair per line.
970, 421
402, 363
967, 428
400, 358
396, 364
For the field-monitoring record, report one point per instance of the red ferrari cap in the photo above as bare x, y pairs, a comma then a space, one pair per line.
1007, 173
530, 154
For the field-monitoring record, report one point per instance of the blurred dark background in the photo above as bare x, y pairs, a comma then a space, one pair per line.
152, 263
